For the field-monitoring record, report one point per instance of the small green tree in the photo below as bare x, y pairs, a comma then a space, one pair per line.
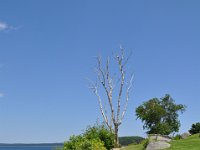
195, 128
160, 116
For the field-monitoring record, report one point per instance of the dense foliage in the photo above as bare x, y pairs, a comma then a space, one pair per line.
96, 137
126, 140
177, 137
82, 143
100, 132
195, 128
160, 116
145, 143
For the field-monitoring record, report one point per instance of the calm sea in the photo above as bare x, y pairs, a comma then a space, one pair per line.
30, 147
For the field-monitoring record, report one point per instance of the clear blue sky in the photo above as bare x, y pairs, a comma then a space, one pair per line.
47, 51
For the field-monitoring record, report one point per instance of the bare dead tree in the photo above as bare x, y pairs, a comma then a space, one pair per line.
109, 83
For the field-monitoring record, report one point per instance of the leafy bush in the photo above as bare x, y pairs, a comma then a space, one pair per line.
195, 128
124, 141
145, 143
100, 132
96, 137
177, 137
82, 143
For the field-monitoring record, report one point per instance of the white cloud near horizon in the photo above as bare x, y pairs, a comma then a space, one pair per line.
2, 95
3, 26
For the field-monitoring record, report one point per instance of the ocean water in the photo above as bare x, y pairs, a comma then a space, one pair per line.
29, 147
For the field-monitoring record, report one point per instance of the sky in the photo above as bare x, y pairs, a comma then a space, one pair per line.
48, 50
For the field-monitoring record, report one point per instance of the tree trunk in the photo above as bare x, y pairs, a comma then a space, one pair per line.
116, 140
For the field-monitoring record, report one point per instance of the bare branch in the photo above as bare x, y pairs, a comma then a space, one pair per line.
127, 97
94, 88
122, 78
103, 77
127, 59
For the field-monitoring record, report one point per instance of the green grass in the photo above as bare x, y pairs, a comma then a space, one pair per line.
191, 143
133, 147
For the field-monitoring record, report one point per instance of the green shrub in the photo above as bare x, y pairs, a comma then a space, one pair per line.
195, 128
96, 137
82, 143
145, 143
100, 132
177, 137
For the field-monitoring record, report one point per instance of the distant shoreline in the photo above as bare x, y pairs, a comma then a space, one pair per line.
31, 144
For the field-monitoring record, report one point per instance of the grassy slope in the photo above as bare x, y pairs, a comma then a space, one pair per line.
191, 143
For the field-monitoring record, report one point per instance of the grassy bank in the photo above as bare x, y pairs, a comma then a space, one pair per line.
191, 143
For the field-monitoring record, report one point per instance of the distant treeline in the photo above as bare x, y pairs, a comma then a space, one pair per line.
31, 145
126, 140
